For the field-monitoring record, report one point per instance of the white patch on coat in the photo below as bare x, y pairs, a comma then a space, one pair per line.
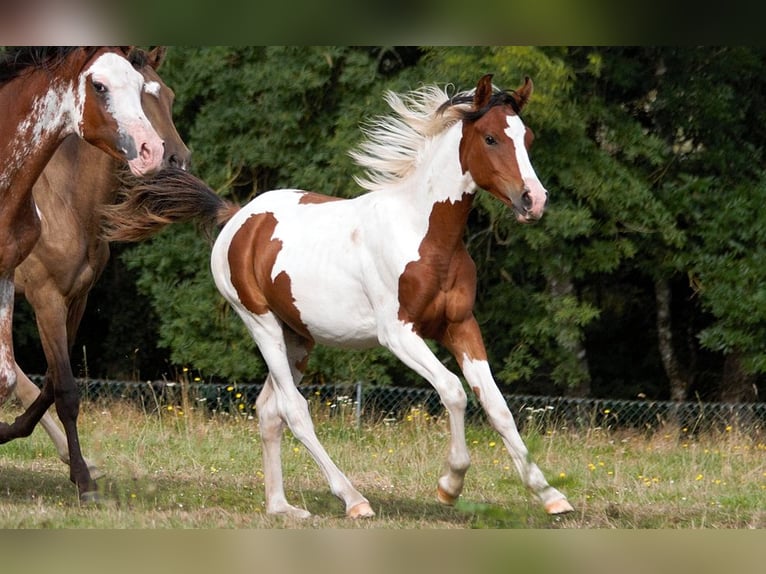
7, 370
50, 115
516, 131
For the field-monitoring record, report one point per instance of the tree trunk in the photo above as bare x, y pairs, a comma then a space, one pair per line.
680, 382
560, 285
737, 386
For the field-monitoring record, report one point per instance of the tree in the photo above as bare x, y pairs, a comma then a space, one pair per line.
642, 278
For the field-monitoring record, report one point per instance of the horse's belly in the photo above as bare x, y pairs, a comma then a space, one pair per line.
337, 321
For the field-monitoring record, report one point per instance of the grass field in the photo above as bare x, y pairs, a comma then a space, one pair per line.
185, 469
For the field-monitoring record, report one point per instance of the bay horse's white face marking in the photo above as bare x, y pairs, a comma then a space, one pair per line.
386, 268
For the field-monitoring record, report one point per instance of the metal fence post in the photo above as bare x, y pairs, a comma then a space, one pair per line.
359, 405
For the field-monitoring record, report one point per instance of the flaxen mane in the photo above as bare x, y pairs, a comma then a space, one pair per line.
394, 143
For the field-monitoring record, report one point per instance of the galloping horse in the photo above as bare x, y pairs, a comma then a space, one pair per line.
70, 255
46, 95
388, 267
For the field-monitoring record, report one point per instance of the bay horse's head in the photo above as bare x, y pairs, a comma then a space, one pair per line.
157, 101
494, 149
109, 91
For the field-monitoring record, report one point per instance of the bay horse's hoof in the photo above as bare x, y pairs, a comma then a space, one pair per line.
91, 497
445, 498
361, 510
560, 506
95, 472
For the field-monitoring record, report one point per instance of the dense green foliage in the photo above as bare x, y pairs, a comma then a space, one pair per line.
654, 161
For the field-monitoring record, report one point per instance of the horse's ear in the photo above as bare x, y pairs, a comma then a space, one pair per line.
524, 92
157, 56
483, 92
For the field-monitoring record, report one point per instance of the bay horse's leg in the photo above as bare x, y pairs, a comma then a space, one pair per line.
26, 393
53, 317
281, 398
465, 342
414, 352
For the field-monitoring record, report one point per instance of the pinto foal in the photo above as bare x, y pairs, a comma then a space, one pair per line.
388, 267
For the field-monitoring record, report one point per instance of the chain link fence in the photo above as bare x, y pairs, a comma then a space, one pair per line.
368, 403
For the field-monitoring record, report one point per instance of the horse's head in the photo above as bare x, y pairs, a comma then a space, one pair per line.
494, 149
112, 118
157, 101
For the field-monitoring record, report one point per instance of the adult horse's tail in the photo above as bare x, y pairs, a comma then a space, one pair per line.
172, 195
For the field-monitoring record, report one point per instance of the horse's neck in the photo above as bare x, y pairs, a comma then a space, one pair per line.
77, 181
34, 124
439, 188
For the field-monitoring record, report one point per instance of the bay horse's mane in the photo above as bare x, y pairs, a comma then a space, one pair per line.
393, 143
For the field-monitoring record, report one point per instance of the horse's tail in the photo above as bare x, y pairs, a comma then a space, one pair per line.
171, 195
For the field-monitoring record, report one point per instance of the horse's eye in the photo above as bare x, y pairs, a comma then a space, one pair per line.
489, 140
99, 87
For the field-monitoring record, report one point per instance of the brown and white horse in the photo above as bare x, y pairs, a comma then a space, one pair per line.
386, 268
46, 95
71, 253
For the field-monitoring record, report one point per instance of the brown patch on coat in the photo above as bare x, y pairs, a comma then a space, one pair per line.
310, 197
252, 254
438, 290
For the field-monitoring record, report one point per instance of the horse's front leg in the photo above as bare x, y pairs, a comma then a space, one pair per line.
412, 350
465, 342
7, 371
26, 393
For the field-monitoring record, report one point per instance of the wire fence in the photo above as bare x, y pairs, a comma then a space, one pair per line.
368, 402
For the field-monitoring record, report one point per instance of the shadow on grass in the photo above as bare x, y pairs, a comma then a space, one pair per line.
193, 502
20, 484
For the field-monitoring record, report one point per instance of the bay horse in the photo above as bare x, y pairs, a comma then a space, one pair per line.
388, 267
46, 94
71, 253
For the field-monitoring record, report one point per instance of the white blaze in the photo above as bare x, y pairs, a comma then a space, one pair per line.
124, 84
516, 131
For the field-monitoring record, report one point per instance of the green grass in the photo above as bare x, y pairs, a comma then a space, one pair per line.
183, 469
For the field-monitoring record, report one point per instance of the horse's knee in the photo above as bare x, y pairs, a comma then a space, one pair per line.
7, 384
454, 398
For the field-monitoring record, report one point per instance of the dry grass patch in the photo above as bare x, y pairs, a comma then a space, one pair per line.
181, 468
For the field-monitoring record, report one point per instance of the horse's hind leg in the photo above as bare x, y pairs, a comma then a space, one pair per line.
281, 403
271, 426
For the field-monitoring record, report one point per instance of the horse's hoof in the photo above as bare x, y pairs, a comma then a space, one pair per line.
560, 506
95, 472
91, 497
361, 510
445, 498
291, 512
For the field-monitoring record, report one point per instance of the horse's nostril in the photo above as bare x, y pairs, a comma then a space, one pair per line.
526, 199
